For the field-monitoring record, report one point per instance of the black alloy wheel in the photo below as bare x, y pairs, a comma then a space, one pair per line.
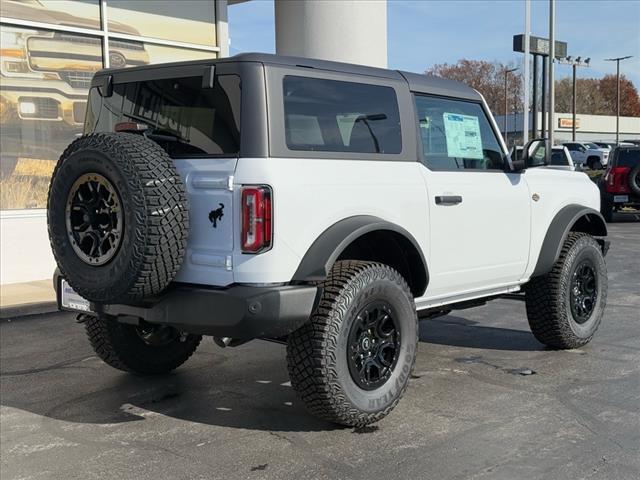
374, 343
584, 291
94, 219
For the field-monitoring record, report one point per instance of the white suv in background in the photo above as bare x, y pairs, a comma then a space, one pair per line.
588, 153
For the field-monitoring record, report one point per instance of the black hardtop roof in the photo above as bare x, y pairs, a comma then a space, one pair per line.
417, 82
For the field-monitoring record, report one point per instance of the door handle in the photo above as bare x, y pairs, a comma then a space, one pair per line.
448, 199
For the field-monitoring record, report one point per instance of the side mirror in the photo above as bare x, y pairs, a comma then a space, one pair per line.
534, 154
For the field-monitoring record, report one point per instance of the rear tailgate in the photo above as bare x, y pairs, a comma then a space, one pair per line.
209, 185
197, 123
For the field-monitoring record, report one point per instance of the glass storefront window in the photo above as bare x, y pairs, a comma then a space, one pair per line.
45, 80
46, 74
190, 21
73, 13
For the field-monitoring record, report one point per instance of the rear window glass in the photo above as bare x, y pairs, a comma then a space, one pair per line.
628, 158
184, 118
337, 116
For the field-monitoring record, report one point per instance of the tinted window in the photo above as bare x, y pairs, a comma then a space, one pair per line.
187, 119
336, 116
628, 158
558, 158
456, 135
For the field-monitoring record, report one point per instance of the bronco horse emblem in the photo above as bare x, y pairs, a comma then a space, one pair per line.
216, 215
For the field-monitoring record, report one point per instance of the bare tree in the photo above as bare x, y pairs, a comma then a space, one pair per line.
488, 79
594, 96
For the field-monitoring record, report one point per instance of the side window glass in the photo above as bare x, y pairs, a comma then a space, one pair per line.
456, 135
337, 116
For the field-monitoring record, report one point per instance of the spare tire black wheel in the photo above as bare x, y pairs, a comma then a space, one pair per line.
634, 179
118, 217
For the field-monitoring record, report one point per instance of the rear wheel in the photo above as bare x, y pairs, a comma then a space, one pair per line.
352, 362
144, 349
565, 306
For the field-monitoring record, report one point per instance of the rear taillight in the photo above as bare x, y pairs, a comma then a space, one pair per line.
257, 224
616, 180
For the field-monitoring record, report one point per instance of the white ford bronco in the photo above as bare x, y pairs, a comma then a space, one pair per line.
320, 204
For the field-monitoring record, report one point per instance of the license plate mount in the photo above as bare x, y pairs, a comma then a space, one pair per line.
71, 300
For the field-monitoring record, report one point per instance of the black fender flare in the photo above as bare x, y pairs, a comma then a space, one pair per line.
326, 249
592, 222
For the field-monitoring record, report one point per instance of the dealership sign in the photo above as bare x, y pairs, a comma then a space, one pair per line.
568, 123
539, 46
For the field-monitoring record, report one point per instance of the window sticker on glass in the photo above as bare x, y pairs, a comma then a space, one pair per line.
463, 136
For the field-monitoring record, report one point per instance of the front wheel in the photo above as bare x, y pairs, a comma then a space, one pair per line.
565, 306
594, 163
352, 362
143, 349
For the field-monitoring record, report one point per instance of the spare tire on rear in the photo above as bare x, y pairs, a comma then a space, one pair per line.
634, 180
117, 215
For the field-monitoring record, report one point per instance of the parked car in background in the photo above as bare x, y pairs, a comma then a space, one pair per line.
632, 142
560, 157
610, 145
620, 185
587, 153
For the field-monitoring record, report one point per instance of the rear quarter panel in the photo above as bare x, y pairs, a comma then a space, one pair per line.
310, 195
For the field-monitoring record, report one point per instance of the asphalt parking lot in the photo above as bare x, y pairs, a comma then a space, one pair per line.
470, 411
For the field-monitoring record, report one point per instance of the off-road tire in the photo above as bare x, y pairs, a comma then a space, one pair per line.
548, 296
634, 180
317, 352
154, 209
120, 346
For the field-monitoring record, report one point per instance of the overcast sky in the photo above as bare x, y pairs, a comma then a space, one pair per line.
424, 32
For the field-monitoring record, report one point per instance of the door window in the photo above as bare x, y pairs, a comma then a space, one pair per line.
456, 135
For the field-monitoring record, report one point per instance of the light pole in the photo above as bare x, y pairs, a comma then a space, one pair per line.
552, 57
617, 60
577, 62
506, 102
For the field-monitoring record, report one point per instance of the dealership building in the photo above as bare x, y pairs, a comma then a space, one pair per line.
589, 128
50, 50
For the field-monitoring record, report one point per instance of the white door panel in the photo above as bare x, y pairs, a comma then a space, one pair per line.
483, 241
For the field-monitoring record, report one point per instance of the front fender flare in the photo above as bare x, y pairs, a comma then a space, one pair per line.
592, 222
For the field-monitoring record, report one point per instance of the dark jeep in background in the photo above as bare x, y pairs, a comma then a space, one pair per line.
620, 185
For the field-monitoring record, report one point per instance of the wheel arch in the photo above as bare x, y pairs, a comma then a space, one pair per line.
366, 237
571, 218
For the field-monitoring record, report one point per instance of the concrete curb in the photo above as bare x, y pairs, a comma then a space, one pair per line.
27, 309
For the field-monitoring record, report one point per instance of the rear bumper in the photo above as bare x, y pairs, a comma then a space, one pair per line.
242, 312
621, 199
